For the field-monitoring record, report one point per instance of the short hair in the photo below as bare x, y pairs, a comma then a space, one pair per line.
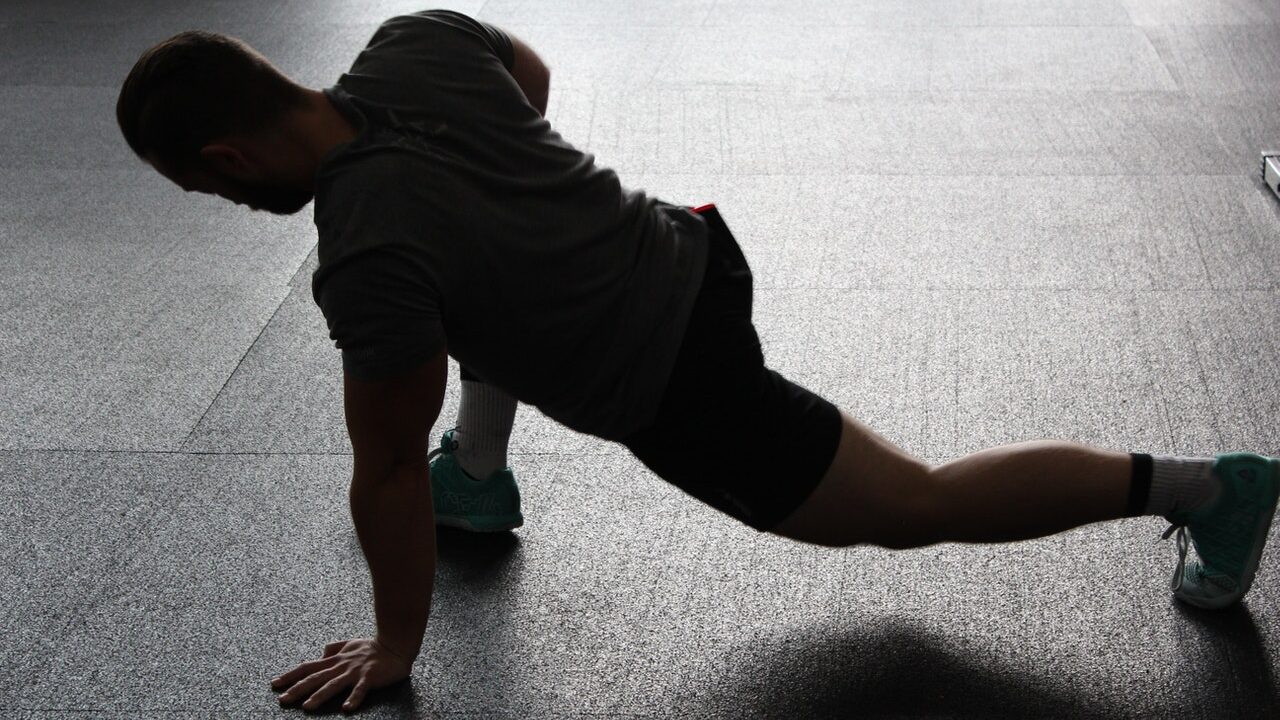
195, 87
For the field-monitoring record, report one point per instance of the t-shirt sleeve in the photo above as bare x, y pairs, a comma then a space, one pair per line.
498, 42
381, 312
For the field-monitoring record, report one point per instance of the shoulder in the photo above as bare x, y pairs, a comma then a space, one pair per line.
379, 200
447, 27
375, 184
379, 162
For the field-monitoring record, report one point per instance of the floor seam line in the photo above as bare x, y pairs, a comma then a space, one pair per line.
236, 369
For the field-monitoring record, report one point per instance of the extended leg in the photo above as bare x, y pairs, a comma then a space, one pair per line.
876, 493
1028, 490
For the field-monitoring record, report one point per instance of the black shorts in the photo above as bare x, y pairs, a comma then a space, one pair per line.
730, 431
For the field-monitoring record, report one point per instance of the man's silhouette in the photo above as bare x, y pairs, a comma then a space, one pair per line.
454, 220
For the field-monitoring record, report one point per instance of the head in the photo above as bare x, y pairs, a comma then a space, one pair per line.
211, 114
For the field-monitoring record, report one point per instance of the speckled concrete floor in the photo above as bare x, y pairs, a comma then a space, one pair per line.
972, 222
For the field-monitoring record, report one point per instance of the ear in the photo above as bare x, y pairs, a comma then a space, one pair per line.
226, 159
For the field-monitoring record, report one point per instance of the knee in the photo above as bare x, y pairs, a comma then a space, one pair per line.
910, 511
898, 511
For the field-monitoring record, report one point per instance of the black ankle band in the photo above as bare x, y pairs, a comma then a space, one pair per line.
1140, 486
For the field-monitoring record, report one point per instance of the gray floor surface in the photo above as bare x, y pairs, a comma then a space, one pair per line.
972, 222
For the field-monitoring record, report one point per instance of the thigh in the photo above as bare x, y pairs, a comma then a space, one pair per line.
873, 491
753, 449
730, 431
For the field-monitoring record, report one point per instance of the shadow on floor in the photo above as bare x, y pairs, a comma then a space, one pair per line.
897, 669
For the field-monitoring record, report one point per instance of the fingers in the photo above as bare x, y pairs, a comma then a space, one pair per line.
300, 672
327, 691
357, 695
307, 684
307, 668
360, 664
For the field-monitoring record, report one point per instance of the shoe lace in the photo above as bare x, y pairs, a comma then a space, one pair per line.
442, 449
1179, 573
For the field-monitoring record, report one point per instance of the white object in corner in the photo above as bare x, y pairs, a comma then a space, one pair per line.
1271, 170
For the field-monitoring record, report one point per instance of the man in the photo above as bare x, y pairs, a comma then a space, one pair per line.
453, 219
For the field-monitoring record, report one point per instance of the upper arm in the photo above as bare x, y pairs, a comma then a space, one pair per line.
383, 312
525, 62
390, 419
465, 51
512, 51
529, 72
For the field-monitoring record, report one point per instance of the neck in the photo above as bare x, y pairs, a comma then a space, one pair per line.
320, 127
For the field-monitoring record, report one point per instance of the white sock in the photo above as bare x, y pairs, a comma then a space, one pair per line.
1180, 484
485, 417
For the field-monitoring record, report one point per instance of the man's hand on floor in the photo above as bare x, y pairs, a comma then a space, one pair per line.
361, 664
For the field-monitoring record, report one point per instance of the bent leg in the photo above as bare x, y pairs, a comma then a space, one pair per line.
876, 493
486, 415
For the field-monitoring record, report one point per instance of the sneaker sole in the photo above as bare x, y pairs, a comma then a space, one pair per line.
1261, 532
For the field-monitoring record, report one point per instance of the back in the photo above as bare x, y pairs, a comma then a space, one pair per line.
460, 219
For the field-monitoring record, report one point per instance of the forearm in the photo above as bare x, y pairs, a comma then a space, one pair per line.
394, 521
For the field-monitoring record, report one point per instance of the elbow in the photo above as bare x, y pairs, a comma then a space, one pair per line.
538, 91
541, 102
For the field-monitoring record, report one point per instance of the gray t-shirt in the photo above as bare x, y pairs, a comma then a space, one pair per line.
458, 219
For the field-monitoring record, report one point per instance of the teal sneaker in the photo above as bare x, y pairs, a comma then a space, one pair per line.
1228, 534
461, 501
